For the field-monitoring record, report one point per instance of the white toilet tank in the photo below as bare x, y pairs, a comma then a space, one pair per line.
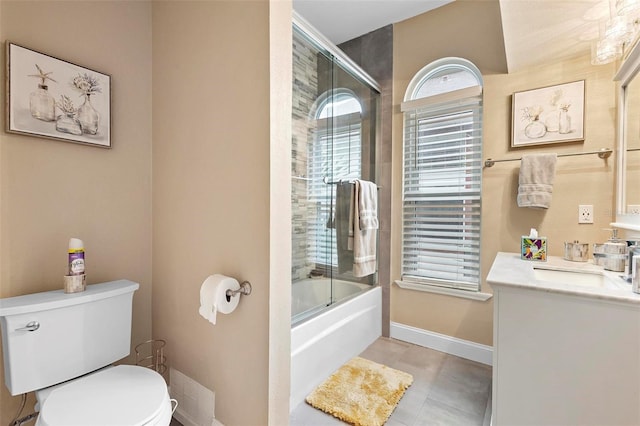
51, 337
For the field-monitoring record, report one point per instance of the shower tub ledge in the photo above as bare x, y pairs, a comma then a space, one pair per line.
322, 344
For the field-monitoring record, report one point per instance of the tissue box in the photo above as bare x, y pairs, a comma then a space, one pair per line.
534, 249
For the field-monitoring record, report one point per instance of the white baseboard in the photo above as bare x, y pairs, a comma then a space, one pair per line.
443, 343
184, 420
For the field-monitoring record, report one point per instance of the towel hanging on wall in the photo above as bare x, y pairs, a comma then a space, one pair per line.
537, 174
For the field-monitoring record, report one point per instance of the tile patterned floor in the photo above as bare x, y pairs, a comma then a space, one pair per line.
446, 390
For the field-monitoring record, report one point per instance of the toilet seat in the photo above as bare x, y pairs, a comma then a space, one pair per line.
118, 396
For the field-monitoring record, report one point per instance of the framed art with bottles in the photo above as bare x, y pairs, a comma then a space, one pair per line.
546, 115
56, 99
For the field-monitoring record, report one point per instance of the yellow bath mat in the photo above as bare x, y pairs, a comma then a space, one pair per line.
361, 392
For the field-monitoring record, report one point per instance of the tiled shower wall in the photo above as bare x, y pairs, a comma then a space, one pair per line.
373, 52
305, 89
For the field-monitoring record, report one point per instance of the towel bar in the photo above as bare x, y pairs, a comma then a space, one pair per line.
338, 182
604, 153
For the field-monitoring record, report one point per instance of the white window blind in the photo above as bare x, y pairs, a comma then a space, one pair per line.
336, 154
442, 194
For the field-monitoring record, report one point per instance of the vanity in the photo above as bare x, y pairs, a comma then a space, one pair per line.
566, 344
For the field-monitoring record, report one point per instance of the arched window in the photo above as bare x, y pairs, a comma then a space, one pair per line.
442, 176
341, 102
336, 153
443, 76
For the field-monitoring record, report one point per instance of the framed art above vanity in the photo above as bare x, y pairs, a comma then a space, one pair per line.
547, 115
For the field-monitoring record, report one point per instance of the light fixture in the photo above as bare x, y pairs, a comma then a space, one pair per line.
604, 51
617, 29
617, 32
624, 7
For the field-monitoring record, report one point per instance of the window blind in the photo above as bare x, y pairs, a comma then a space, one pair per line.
442, 194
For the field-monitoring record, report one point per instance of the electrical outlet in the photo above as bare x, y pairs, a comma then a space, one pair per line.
585, 213
633, 209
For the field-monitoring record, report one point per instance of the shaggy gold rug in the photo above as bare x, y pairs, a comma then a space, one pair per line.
361, 392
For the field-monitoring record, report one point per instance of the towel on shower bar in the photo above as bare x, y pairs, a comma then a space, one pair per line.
537, 173
365, 228
344, 232
367, 205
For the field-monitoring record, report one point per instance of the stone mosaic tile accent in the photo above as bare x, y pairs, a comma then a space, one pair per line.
305, 92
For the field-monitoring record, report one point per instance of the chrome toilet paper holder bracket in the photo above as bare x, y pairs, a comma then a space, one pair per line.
245, 288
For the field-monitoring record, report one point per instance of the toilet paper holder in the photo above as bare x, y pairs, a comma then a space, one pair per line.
245, 288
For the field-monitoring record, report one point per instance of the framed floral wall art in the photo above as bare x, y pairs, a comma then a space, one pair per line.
548, 115
56, 99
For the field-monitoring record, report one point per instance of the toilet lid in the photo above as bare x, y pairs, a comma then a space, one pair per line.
122, 395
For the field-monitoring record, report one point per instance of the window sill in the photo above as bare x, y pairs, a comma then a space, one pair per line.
465, 294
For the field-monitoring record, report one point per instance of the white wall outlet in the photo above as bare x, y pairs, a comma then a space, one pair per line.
585, 213
633, 209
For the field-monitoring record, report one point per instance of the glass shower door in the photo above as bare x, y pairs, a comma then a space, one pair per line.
333, 143
311, 199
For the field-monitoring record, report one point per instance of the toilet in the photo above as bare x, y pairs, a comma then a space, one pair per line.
62, 347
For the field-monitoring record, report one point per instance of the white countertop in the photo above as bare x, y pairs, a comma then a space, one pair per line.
510, 271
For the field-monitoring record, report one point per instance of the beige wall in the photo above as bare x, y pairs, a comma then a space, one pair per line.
579, 180
211, 197
51, 191
467, 28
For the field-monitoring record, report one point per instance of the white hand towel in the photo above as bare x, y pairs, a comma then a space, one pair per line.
365, 228
537, 173
368, 205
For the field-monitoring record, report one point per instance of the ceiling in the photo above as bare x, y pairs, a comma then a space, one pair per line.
543, 31
342, 20
535, 31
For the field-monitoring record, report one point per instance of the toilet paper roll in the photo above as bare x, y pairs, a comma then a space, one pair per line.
213, 296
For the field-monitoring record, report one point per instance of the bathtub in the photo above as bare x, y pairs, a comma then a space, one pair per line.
322, 343
312, 295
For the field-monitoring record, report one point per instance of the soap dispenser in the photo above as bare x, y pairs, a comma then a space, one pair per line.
615, 253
